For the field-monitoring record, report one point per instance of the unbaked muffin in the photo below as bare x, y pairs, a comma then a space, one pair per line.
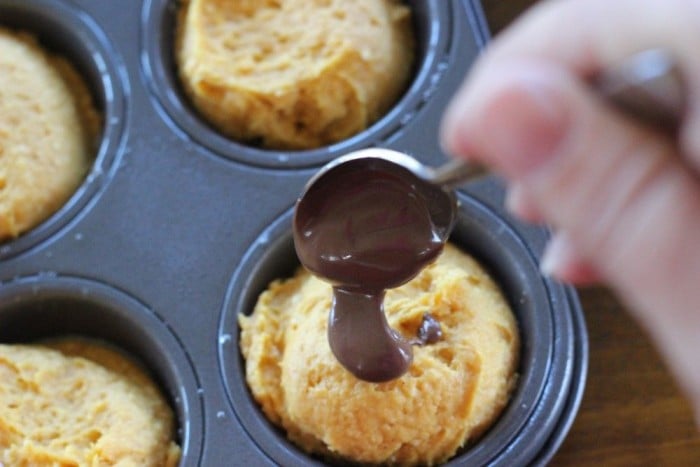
48, 132
294, 74
454, 390
79, 403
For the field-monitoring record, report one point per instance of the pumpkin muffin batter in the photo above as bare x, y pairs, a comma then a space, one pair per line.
453, 391
48, 132
80, 404
294, 74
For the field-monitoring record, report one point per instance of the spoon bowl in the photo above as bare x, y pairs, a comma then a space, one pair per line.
432, 184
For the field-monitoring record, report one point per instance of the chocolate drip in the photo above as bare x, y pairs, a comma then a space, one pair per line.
361, 339
365, 231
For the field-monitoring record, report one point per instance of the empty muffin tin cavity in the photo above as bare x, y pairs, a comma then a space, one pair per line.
42, 307
432, 27
66, 31
548, 338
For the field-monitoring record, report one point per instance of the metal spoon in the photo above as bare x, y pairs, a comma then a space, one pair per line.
647, 87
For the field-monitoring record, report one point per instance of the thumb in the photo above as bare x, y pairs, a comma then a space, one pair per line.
628, 205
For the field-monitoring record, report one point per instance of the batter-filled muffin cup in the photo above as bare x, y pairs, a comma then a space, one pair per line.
78, 402
89, 372
453, 391
48, 132
542, 363
294, 74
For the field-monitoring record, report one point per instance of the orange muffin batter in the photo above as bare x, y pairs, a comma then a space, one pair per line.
294, 74
48, 131
454, 390
81, 404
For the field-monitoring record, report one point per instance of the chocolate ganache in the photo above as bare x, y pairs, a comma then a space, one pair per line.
366, 226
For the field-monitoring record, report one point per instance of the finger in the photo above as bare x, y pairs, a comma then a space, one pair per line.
520, 204
629, 205
562, 262
560, 259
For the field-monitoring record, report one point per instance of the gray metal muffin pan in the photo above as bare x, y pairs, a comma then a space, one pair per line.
177, 229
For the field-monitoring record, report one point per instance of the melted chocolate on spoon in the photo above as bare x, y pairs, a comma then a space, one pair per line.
366, 229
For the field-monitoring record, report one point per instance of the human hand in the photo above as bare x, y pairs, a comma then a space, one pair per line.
623, 200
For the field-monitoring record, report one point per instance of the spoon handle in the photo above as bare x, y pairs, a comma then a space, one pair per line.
455, 172
648, 87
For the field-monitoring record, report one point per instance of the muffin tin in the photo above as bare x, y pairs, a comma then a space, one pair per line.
177, 229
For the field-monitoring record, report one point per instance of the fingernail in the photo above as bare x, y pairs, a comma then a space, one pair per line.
562, 262
557, 254
521, 125
519, 203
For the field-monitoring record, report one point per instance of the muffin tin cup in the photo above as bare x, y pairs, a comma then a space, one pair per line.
176, 229
552, 350
47, 306
433, 26
65, 30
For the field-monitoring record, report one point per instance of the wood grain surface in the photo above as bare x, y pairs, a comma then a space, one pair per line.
632, 413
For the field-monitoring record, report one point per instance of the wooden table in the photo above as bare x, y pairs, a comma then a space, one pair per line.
632, 413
